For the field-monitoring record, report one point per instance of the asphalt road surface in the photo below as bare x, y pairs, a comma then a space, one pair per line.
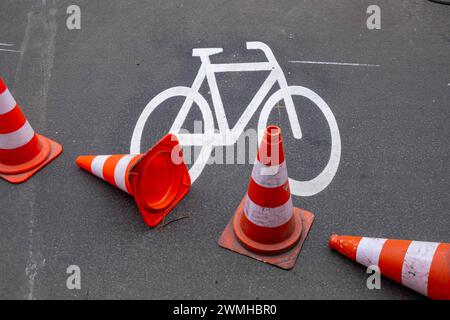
389, 90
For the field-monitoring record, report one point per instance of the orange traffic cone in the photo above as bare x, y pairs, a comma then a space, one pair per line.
157, 180
421, 266
266, 226
22, 151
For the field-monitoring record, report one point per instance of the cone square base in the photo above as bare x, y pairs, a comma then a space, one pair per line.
54, 150
286, 260
155, 173
152, 219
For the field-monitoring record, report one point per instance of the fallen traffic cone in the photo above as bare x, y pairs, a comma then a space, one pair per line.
421, 266
157, 180
22, 151
266, 226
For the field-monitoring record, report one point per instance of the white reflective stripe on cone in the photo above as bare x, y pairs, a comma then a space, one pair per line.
270, 176
97, 165
18, 138
120, 172
268, 217
368, 252
7, 102
417, 264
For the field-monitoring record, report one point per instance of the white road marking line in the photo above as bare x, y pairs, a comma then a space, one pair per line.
6, 44
336, 63
9, 50
40, 29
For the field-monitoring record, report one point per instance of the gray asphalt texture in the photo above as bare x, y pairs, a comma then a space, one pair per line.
86, 89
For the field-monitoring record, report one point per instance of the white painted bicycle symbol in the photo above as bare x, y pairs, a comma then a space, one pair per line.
226, 136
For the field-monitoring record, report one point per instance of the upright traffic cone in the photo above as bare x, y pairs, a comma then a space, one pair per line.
266, 226
421, 266
22, 151
157, 180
